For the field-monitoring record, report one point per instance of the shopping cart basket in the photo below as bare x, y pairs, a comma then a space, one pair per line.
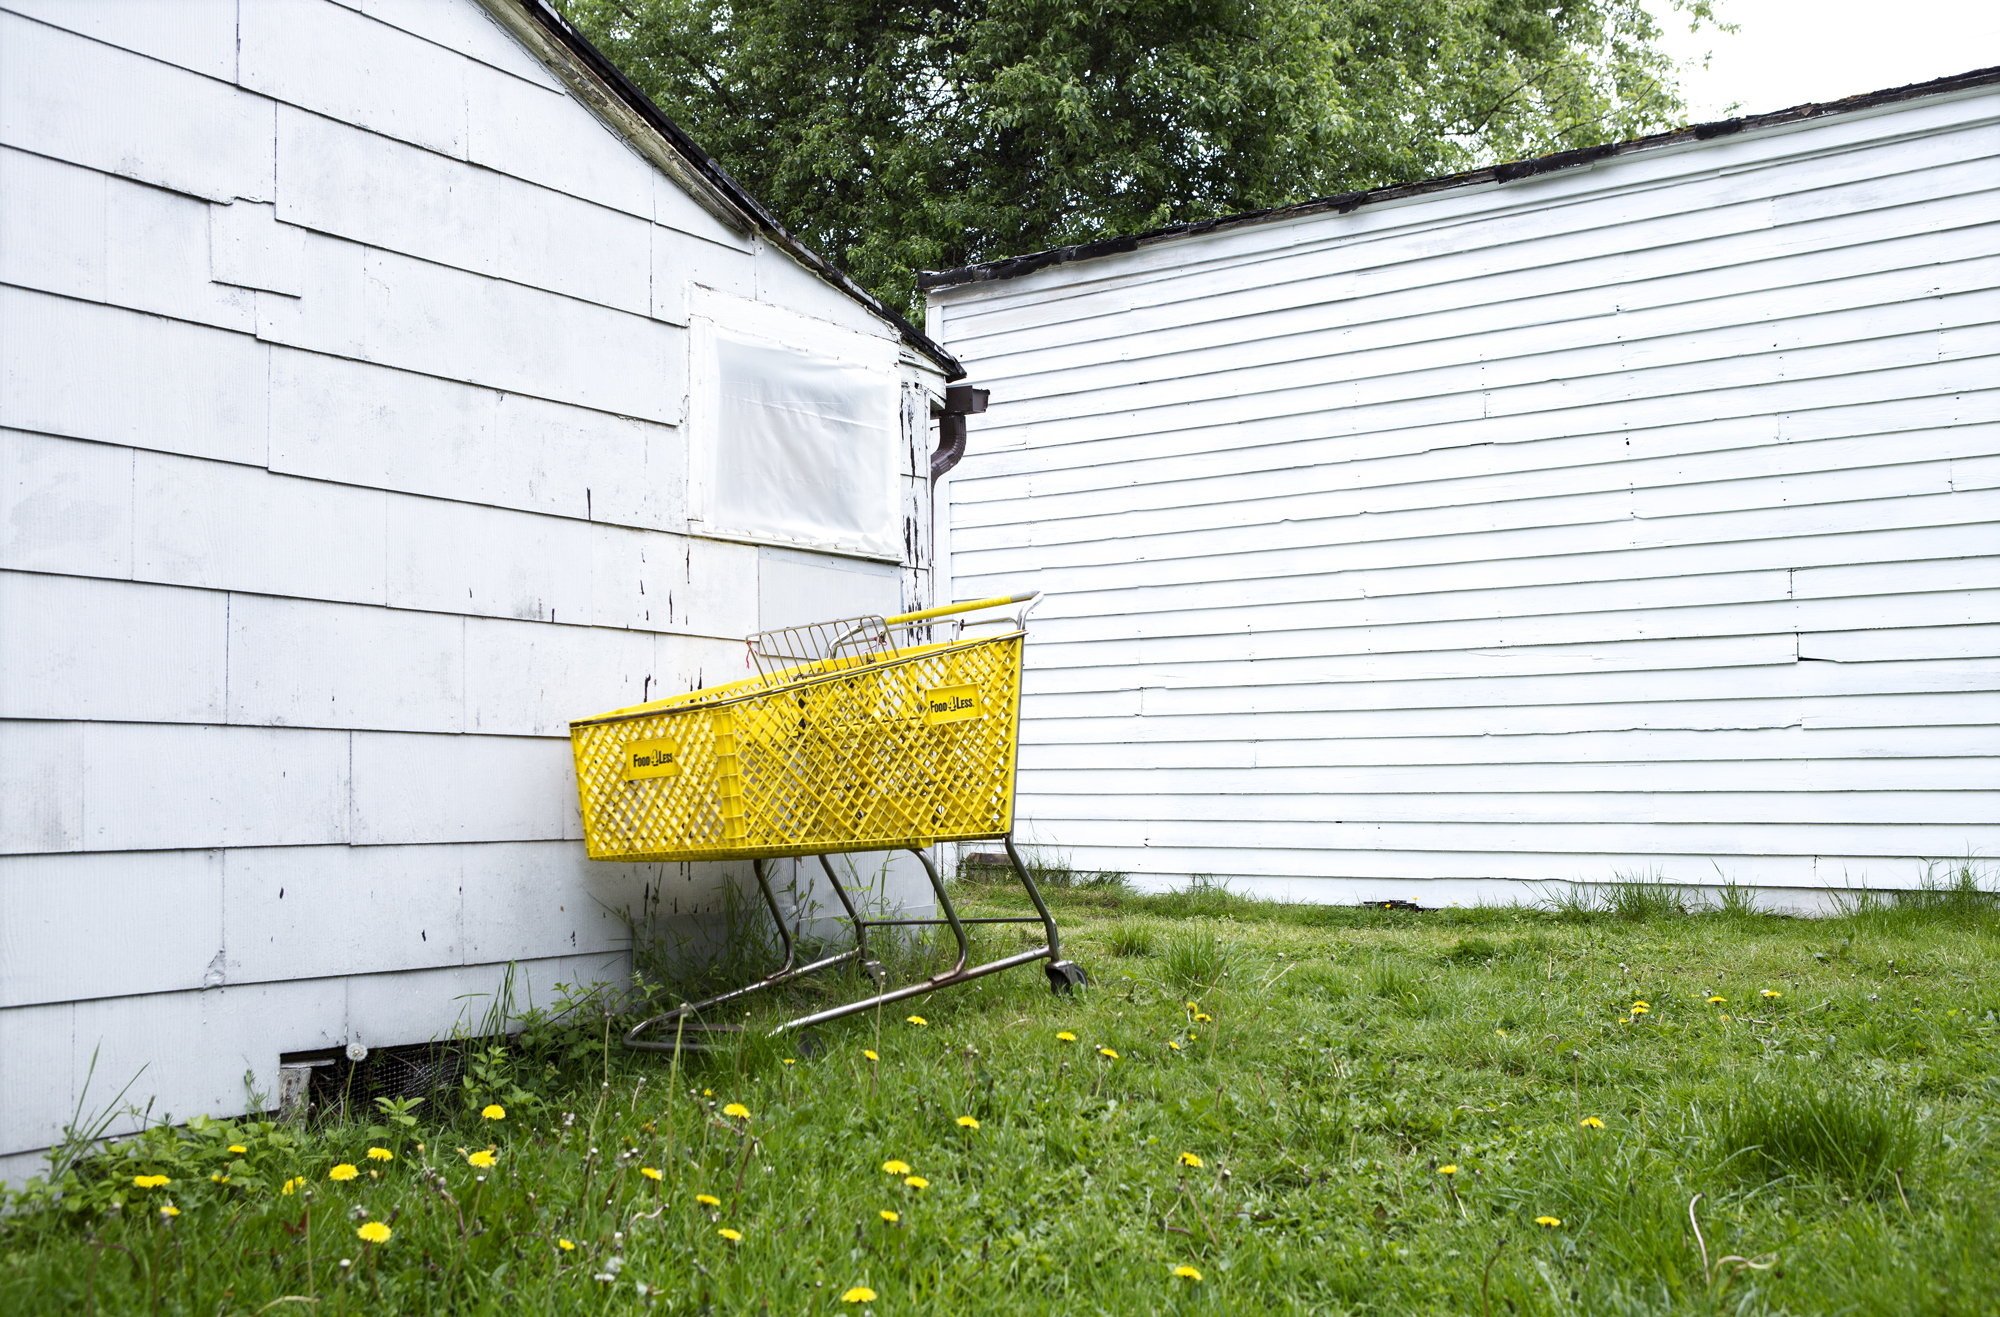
866, 734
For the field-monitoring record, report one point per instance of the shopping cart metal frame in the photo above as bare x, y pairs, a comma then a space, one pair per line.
833, 641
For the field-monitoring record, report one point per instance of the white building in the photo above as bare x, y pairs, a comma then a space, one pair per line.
380, 388
1628, 512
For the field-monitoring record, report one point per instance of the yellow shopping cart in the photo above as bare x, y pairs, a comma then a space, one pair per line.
865, 734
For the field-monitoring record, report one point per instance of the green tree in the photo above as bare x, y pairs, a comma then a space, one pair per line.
894, 137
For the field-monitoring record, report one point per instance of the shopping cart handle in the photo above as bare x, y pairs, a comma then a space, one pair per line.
971, 606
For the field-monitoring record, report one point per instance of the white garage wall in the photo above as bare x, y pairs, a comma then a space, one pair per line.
342, 462
1640, 519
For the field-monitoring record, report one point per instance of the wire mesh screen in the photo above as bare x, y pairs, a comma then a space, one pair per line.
817, 643
415, 1071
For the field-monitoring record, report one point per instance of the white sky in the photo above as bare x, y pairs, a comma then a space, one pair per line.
1788, 52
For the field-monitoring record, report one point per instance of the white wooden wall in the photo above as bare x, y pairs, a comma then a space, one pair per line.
343, 372
1636, 520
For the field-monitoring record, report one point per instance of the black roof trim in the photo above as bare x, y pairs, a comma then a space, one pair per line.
719, 178
1012, 267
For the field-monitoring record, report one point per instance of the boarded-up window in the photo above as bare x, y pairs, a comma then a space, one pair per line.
798, 445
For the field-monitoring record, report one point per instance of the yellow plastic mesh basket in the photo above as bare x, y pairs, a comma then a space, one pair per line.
901, 748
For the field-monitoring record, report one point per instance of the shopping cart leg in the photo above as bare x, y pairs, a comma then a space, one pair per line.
873, 967
1063, 974
777, 917
951, 915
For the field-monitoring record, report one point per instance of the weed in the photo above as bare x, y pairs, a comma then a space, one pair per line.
1130, 938
1799, 1123
1196, 959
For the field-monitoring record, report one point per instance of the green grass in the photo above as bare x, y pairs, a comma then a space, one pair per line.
1840, 1135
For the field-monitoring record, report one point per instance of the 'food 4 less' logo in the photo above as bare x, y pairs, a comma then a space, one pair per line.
651, 759
952, 704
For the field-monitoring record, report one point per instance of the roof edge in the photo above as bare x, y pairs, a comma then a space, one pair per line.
689, 165
1013, 267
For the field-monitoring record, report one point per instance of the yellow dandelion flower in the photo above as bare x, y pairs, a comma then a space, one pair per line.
870, 1054
1548, 1222
494, 1111
1500, 1032
565, 1246
1447, 1170
381, 1155
150, 1181
1642, 1006
1189, 1159
342, 1172
733, 1236
915, 1019
482, 1159
889, 1216
969, 1122
859, 1294
292, 1185
708, 1200
1591, 1122
168, 1209
238, 1149
708, 1092
1717, 1001
1175, 1046
790, 1061
895, 1166
1768, 993
1624, 1019
1200, 1018
374, 1232
1185, 1272
217, 1177
738, 1110
1194, 1006
650, 1172
916, 1182
1105, 1051
1642, 1010
1065, 1036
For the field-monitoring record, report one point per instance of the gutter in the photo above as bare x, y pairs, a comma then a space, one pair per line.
629, 111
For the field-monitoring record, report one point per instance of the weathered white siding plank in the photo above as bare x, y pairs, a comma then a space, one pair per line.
65, 506
131, 116
110, 650
108, 925
198, 35
418, 789
1617, 520
357, 424
95, 372
467, 29
336, 62
369, 188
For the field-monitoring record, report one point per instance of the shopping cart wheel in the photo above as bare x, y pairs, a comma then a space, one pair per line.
1065, 975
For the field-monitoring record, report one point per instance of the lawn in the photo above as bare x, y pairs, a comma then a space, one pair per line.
1256, 1108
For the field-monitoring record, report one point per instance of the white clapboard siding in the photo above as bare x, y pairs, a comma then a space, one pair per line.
1632, 519
342, 464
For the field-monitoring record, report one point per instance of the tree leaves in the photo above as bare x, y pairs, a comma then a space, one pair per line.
894, 137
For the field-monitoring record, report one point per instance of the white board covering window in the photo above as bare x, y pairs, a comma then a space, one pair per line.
796, 444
